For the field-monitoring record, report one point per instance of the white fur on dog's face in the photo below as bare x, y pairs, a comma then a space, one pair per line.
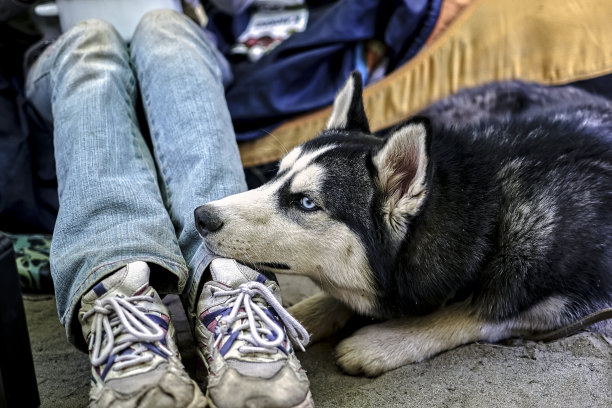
262, 230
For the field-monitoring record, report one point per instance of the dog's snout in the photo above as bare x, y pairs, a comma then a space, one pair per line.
207, 220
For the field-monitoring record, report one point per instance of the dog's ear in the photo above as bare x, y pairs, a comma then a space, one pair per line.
348, 112
403, 168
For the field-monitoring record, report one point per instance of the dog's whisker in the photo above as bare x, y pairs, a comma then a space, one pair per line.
325, 277
278, 142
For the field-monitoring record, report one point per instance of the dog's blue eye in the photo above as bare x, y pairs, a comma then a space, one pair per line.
307, 204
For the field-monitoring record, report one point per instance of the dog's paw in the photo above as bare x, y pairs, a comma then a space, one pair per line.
321, 315
375, 349
378, 348
366, 353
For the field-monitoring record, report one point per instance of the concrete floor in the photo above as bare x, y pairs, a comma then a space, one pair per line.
573, 372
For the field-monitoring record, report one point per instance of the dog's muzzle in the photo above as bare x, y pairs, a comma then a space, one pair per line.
207, 220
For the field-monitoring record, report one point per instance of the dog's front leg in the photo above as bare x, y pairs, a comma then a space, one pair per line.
375, 349
321, 315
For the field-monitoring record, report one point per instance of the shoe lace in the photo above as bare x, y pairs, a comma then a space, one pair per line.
264, 334
120, 323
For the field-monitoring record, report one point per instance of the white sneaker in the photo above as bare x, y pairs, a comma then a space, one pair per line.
242, 341
135, 361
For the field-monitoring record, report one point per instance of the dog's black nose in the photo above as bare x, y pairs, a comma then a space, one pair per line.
207, 220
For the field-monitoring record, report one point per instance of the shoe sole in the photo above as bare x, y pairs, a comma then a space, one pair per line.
307, 403
199, 399
201, 378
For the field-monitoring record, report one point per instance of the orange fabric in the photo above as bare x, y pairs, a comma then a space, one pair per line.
550, 42
449, 11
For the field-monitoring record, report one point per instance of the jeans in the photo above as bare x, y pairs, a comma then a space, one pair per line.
121, 201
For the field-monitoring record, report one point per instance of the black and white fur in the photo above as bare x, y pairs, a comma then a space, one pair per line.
474, 227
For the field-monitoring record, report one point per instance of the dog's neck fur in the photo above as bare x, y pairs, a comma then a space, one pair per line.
434, 242
421, 185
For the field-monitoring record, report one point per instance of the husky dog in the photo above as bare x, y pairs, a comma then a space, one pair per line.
471, 227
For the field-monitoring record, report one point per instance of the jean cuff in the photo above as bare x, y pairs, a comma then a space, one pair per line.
200, 262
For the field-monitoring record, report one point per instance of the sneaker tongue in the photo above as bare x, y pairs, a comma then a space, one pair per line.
126, 281
231, 273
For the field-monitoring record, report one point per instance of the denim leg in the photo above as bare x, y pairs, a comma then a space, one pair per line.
111, 209
191, 130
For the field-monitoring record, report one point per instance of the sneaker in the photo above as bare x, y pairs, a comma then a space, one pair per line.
134, 358
242, 341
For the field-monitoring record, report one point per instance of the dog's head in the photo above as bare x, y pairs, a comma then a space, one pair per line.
338, 209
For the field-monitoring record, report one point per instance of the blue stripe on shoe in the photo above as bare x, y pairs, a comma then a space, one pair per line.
213, 315
155, 350
261, 279
160, 322
271, 336
109, 364
271, 313
228, 344
99, 289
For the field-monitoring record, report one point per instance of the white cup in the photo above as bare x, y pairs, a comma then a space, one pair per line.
123, 14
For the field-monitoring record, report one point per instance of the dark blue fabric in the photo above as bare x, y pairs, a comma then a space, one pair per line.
28, 188
305, 72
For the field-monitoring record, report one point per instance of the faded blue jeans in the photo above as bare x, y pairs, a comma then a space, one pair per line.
121, 201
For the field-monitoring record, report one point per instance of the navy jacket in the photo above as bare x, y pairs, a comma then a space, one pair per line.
304, 72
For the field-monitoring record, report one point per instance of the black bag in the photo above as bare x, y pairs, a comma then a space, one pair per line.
28, 185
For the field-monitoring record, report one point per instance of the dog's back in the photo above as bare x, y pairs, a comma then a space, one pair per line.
519, 210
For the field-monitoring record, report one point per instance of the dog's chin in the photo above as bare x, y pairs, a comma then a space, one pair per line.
219, 252
263, 266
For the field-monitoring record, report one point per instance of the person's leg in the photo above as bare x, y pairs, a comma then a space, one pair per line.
111, 210
191, 130
198, 159
111, 219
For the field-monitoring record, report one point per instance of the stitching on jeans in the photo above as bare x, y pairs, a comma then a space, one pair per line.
45, 74
157, 153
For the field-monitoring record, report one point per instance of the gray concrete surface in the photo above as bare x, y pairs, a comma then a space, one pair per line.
573, 372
